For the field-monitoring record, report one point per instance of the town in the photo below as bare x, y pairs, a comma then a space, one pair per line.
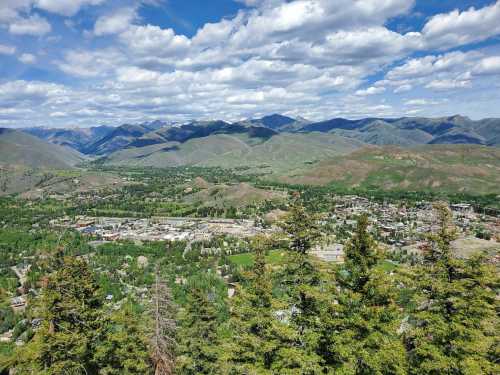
397, 226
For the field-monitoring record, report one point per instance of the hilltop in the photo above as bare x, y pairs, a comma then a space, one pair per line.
21, 149
410, 131
281, 152
449, 168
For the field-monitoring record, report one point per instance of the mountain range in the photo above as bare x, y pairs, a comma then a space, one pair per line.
406, 131
282, 147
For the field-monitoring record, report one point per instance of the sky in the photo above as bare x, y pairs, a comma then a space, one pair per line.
70, 63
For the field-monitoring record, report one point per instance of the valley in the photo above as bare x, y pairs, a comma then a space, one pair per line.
199, 210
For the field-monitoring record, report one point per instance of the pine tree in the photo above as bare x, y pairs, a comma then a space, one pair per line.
198, 340
361, 255
78, 334
299, 340
252, 344
455, 324
72, 327
124, 349
360, 332
163, 338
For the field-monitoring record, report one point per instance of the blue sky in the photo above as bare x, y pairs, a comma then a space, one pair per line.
92, 62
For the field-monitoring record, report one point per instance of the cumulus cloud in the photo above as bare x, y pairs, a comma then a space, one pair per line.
88, 64
488, 65
459, 28
153, 40
370, 91
313, 58
7, 50
115, 22
448, 84
432, 64
27, 58
403, 88
9, 9
32, 25
136, 75
24, 90
64, 7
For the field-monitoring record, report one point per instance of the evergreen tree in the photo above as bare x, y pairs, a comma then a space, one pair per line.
252, 344
360, 332
72, 327
198, 340
78, 336
455, 323
124, 349
361, 255
299, 339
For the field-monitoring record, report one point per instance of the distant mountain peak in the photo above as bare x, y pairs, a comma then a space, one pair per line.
274, 121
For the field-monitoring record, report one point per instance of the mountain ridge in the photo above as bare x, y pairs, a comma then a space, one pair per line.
402, 131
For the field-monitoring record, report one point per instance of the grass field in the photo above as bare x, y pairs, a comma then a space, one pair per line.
274, 257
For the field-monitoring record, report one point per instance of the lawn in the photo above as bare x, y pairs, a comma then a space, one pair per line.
247, 259
388, 266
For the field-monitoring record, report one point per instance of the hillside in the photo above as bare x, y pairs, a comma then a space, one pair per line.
459, 168
281, 152
202, 129
238, 195
279, 122
411, 131
20, 149
117, 139
76, 138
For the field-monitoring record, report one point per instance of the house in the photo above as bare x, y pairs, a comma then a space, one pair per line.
463, 208
18, 304
83, 223
330, 252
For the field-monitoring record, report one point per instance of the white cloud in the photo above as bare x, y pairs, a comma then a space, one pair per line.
370, 91
459, 28
314, 58
65, 7
215, 33
136, 75
432, 64
448, 84
9, 9
116, 22
403, 88
90, 63
27, 58
421, 102
24, 90
152, 40
7, 50
488, 65
58, 114
33, 25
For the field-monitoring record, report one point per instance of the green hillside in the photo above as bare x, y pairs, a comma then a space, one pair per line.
451, 168
279, 153
21, 149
